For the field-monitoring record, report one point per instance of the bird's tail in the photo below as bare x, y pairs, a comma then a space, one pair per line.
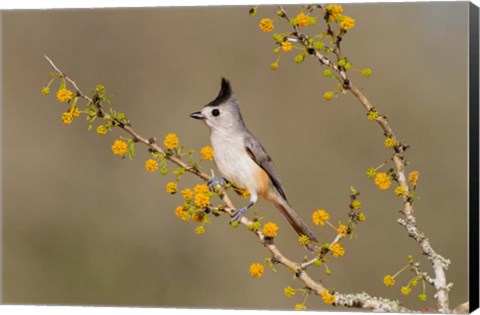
297, 223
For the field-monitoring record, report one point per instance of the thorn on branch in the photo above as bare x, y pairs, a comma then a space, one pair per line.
151, 140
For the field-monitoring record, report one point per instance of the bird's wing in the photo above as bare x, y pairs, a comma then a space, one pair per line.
261, 157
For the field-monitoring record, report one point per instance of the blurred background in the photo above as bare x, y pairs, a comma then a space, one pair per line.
84, 227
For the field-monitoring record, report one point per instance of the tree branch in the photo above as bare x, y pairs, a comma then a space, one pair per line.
362, 300
439, 263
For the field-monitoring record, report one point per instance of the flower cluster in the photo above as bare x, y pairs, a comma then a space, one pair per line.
320, 216
390, 142
196, 200
119, 147
64, 95
347, 23
256, 270
300, 307
388, 280
151, 165
171, 141
270, 229
289, 291
327, 297
342, 230
67, 117
413, 178
303, 240
171, 187
207, 153
383, 181
266, 25
337, 250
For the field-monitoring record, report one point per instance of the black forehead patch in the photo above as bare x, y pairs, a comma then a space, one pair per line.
224, 94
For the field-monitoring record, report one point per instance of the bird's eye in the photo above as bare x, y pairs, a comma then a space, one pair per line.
215, 112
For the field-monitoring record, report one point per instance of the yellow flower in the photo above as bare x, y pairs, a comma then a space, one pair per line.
289, 291
347, 23
388, 280
367, 72
337, 250
361, 217
102, 130
75, 111
413, 178
329, 95
45, 90
335, 11
207, 153
151, 165
274, 66
406, 290
198, 216
200, 189
320, 216
382, 180
171, 141
327, 297
372, 114
186, 216
356, 204
287, 46
300, 307
371, 172
187, 194
270, 229
303, 240
200, 230
302, 19
400, 191
422, 297
171, 187
266, 25
201, 200
119, 147
64, 95
390, 142
67, 118
180, 211
342, 230
256, 270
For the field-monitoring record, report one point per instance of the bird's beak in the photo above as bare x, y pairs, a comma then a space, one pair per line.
197, 115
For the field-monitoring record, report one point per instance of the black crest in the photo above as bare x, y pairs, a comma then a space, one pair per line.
224, 94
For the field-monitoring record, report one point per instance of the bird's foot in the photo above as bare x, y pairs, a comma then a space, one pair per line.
215, 180
238, 214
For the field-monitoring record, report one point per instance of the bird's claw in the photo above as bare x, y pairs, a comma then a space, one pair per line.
214, 181
238, 214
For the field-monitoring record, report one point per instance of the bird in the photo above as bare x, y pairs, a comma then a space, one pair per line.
243, 161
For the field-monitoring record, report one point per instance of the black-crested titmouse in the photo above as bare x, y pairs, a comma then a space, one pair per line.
242, 160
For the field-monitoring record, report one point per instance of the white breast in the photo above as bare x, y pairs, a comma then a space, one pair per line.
233, 161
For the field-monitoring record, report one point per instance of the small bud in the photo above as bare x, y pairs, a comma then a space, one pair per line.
341, 63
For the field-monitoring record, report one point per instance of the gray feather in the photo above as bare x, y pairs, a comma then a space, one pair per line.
261, 157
